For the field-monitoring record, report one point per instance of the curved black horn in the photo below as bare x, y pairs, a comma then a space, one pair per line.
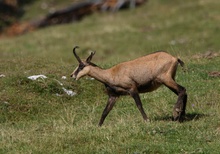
90, 57
74, 52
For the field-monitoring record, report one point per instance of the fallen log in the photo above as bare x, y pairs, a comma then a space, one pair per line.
73, 13
70, 14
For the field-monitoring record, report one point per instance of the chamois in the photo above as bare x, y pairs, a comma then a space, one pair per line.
144, 74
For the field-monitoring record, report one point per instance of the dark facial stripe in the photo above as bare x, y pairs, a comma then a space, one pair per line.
80, 67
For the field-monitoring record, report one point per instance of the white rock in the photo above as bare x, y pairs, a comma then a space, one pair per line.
69, 92
2, 75
35, 77
63, 77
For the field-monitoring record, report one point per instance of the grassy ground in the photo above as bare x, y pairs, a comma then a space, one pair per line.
38, 117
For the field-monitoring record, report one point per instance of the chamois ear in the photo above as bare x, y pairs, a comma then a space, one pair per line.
90, 57
74, 52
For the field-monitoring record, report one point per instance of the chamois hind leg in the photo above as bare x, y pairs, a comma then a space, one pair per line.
109, 106
180, 106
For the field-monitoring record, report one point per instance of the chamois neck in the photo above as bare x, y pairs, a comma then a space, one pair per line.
98, 73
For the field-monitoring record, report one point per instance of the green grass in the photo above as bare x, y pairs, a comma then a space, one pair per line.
33, 119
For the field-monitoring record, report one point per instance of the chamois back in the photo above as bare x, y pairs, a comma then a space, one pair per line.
143, 74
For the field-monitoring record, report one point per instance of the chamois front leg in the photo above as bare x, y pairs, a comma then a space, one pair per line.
109, 106
138, 102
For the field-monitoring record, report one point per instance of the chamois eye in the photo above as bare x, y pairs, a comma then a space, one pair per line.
81, 66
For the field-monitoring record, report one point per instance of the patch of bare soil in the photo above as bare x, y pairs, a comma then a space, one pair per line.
214, 74
206, 55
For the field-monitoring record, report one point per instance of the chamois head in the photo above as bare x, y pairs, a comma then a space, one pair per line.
82, 69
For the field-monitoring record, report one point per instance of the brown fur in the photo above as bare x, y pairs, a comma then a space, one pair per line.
144, 74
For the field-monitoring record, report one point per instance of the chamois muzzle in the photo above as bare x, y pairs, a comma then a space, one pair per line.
73, 76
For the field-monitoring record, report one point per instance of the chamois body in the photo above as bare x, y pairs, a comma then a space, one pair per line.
144, 74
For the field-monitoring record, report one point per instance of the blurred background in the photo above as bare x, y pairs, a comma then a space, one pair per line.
37, 38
